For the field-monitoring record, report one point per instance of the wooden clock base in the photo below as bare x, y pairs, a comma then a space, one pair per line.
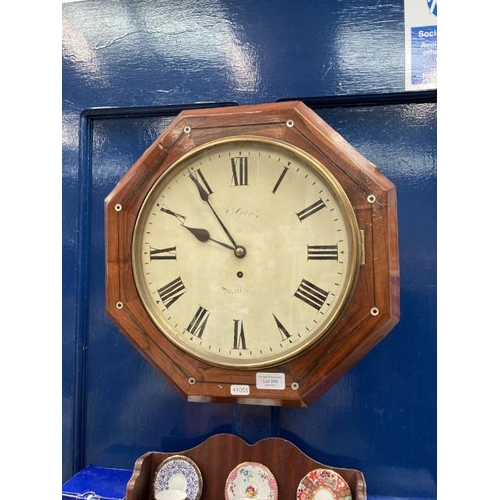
217, 456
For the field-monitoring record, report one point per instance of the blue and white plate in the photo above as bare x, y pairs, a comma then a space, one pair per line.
178, 472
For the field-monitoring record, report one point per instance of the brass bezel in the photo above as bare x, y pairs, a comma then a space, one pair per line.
352, 271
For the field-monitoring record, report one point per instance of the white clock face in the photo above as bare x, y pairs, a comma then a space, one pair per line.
245, 252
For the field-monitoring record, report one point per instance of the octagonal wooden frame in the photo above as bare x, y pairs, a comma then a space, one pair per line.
374, 307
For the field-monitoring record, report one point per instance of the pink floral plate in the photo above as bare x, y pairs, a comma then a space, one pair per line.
323, 484
251, 480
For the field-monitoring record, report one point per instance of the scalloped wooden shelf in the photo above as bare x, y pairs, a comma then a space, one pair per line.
219, 454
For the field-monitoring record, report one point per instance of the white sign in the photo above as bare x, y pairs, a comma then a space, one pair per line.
420, 44
274, 381
240, 390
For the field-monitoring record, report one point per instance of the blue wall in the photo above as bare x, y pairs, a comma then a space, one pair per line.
128, 69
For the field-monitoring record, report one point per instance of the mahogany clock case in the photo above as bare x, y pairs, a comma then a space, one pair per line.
373, 308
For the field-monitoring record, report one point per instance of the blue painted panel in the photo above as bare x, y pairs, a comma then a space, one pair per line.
152, 53
125, 55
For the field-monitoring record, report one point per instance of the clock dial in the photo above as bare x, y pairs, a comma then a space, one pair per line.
245, 252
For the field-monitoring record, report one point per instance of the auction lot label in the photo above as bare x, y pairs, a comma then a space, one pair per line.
273, 381
420, 44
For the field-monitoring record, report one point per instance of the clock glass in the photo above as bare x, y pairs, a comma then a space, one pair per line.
245, 252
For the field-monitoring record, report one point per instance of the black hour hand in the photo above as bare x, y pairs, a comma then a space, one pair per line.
203, 235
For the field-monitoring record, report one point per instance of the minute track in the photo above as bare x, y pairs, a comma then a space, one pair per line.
246, 311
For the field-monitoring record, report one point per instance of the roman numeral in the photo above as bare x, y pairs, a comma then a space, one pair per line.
179, 217
312, 209
199, 322
280, 178
199, 179
311, 294
239, 341
239, 168
171, 292
169, 253
284, 333
322, 252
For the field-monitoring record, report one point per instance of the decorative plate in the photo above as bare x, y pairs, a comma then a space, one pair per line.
251, 480
170, 495
323, 484
178, 472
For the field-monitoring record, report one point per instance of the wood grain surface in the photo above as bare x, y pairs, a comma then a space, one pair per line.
218, 455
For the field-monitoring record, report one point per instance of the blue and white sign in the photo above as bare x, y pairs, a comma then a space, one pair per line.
424, 55
421, 44
433, 7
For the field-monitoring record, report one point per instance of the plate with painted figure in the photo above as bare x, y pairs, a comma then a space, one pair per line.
323, 484
251, 480
180, 476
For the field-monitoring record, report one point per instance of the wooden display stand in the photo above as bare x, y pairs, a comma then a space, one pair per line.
218, 455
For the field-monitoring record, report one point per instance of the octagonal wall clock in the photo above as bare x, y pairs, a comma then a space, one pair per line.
252, 255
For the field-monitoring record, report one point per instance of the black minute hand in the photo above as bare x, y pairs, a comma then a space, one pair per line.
203, 192
204, 196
